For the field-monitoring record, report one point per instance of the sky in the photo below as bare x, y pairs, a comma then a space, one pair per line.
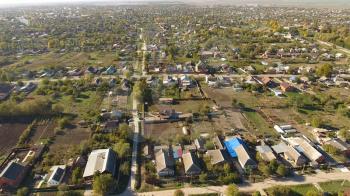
312, 3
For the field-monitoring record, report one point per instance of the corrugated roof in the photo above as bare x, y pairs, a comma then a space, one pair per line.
102, 160
191, 162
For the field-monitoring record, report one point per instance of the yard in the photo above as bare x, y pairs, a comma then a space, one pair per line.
297, 190
9, 134
334, 187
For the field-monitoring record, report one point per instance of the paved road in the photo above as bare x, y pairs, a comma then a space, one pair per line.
317, 178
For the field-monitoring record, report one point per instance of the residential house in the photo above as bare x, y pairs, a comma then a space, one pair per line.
340, 145
218, 143
266, 153
285, 129
102, 161
217, 157
289, 154
236, 149
110, 70
57, 175
304, 146
286, 87
13, 175
165, 163
191, 164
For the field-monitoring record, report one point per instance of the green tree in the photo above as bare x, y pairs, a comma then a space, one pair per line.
76, 176
232, 190
203, 177
22, 191
282, 170
125, 168
324, 70
179, 193
312, 193
256, 193
103, 184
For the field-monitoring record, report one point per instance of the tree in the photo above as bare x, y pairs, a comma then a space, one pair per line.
122, 148
345, 134
265, 169
232, 190
103, 184
76, 176
179, 193
282, 170
22, 191
203, 177
256, 193
124, 168
316, 122
312, 193
280, 191
324, 70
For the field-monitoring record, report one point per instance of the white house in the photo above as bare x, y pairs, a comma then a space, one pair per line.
57, 175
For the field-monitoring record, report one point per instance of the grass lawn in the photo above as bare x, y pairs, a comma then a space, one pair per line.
335, 186
297, 190
259, 122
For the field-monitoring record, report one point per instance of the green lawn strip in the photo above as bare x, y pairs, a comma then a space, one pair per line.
335, 186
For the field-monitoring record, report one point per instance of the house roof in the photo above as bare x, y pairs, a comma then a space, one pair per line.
218, 143
12, 171
200, 143
285, 85
191, 162
58, 173
164, 159
305, 147
217, 156
266, 152
243, 156
266, 80
101, 160
339, 144
232, 144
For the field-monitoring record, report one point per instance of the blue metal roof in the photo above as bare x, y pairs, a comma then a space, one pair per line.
232, 144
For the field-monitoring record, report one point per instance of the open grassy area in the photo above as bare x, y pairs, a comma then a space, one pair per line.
335, 186
259, 123
297, 190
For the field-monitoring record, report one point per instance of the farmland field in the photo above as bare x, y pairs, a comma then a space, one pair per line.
9, 134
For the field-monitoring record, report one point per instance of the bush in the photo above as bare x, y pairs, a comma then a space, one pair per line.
179, 193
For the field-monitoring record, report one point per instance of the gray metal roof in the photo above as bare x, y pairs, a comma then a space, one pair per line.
102, 160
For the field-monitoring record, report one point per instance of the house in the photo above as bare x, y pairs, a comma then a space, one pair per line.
236, 149
169, 114
191, 164
284, 129
286, 87
340, 145
302, 145
266, 153
57, 175
218, 143
13, 175
110, 126
189, 148
185, 81
211, 81
217, 157
165, 163
110, 70
29, 87
289, 154
5, 90
102, 161
200, 144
